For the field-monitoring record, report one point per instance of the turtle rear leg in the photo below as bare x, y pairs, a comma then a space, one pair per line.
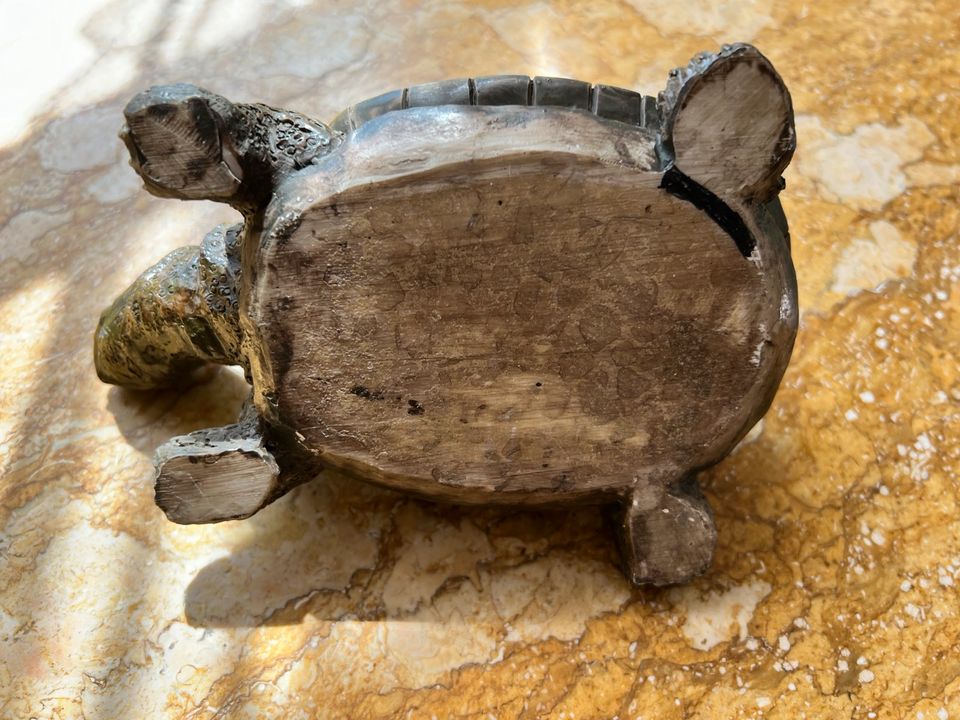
228, 473
177, 316
666, 537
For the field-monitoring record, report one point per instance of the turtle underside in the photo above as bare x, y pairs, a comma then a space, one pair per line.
484, 315
492, 290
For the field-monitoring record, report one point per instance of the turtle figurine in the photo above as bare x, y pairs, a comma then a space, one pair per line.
503, 289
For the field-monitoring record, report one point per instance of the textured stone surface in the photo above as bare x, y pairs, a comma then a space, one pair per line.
835, 589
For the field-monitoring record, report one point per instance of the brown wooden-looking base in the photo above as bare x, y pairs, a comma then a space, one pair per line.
526, 304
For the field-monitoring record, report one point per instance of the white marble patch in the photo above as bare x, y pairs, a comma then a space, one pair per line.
864, 169
720, 616
721, 20
19, 236
433, 552
117, 183
83, 141
555, 597
867, 263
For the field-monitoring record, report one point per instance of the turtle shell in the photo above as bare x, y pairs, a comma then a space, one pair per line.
605, 101
479, 303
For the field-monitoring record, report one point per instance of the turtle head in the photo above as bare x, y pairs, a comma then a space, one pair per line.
180, 143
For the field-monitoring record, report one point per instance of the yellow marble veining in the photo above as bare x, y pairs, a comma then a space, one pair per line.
836, 587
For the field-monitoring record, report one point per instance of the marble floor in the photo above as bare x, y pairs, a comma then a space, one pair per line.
836, 587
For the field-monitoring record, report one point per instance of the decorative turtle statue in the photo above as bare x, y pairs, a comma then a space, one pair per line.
492, 290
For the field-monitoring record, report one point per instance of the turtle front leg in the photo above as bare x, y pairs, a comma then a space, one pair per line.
228, 473
177, 316
666, 536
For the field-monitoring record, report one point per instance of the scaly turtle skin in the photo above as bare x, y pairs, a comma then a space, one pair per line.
489, 290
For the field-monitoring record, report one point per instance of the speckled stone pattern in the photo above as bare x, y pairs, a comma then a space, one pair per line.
836, 586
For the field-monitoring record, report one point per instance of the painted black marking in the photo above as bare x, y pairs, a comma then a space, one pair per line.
685, 188
363, 392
